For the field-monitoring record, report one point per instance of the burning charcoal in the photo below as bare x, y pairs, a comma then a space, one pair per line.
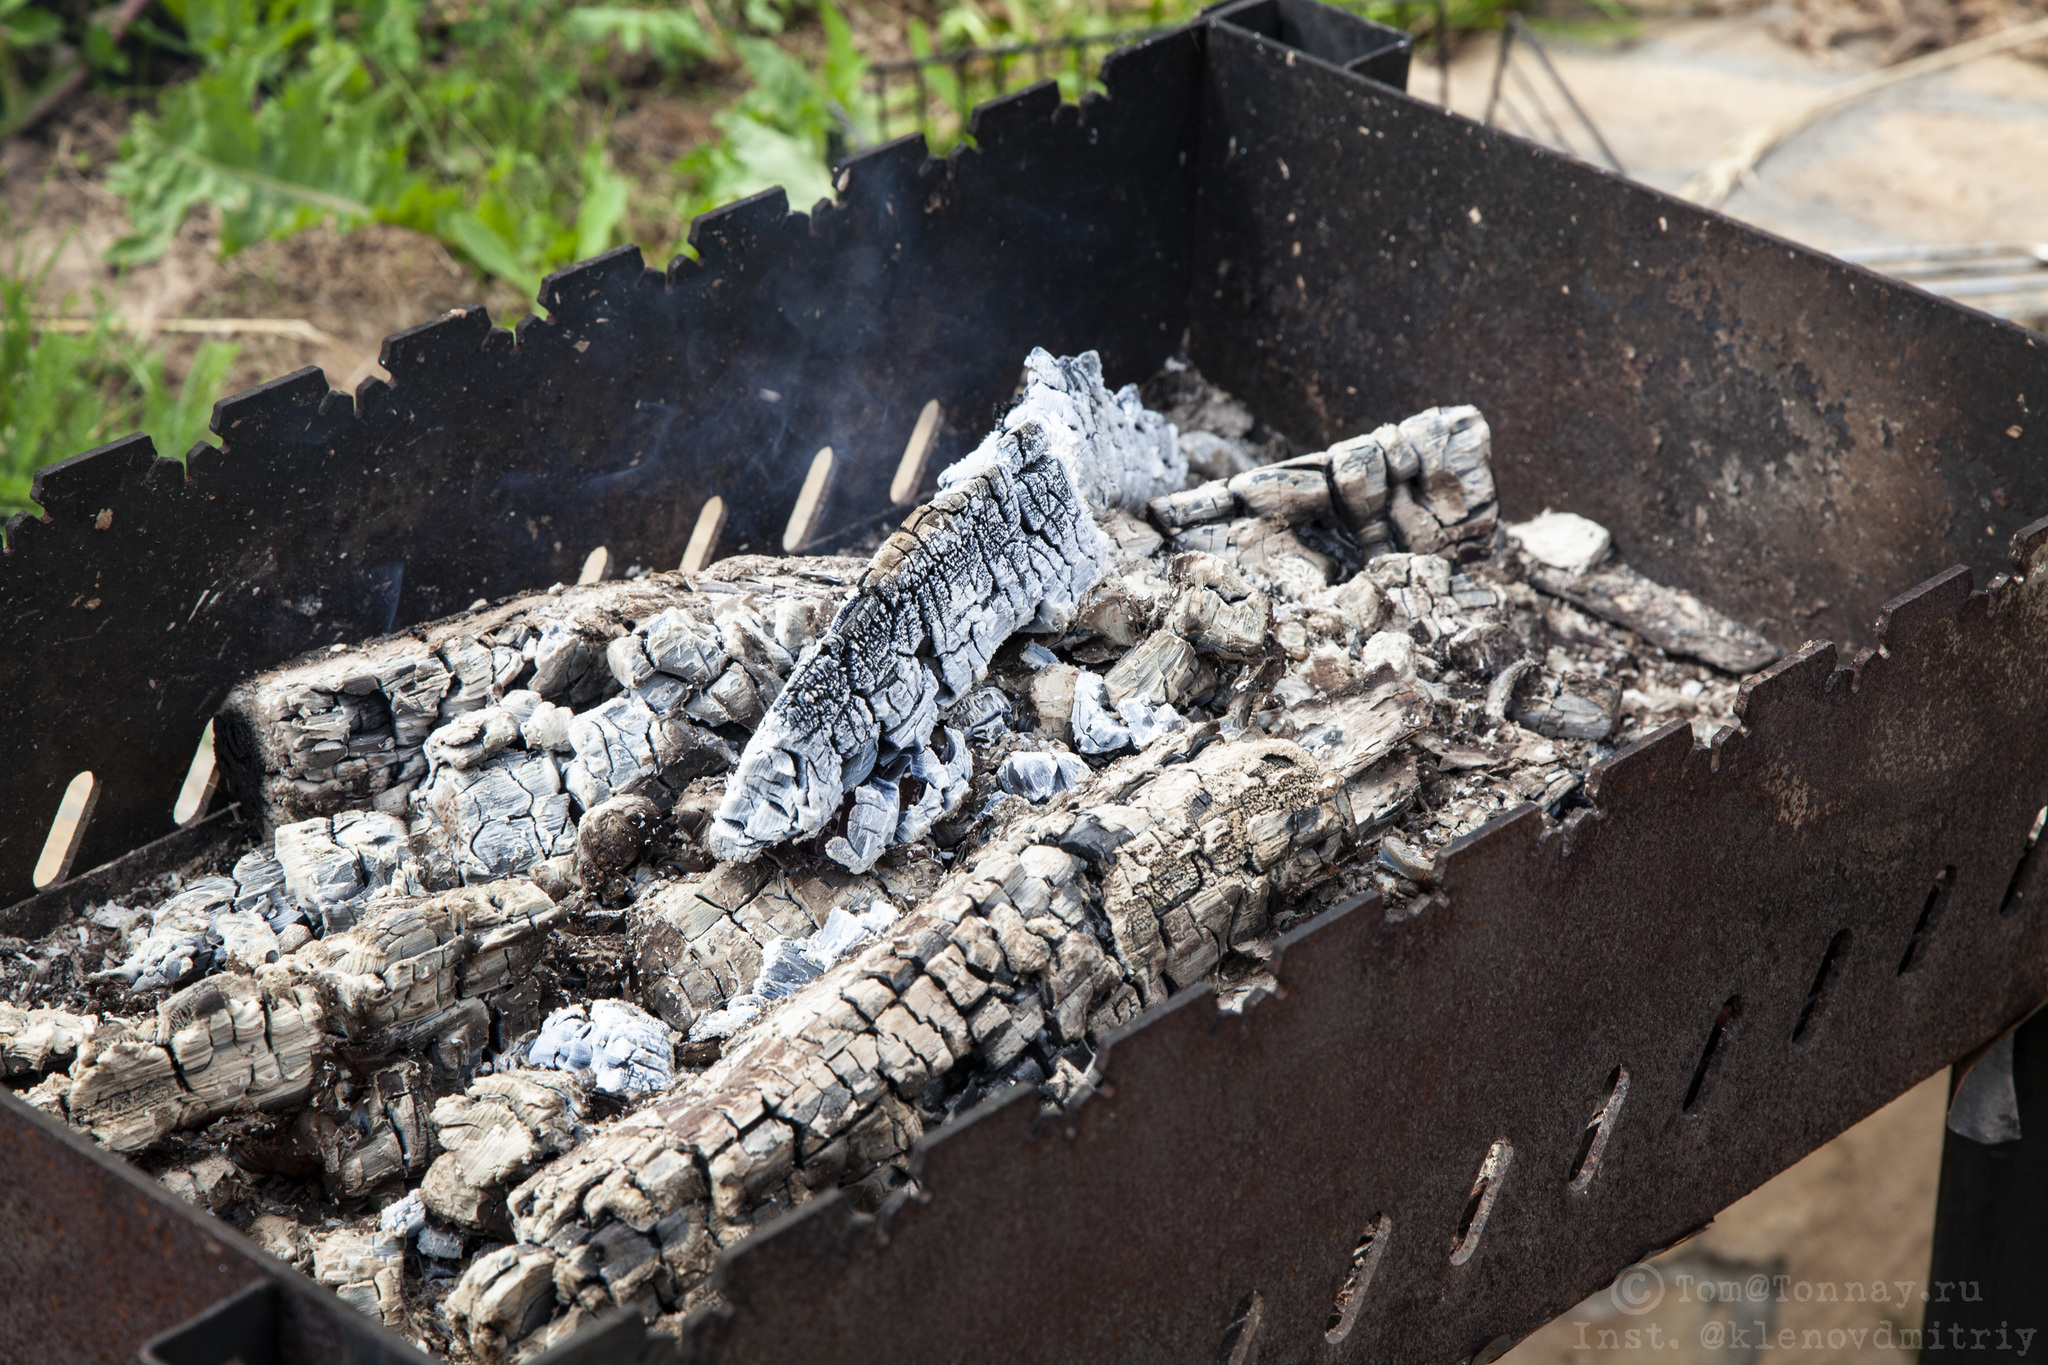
620, 1048
1434, 603
246, 940
1037, 777
365, 1268
966, 571
182, 944
404, 1218
1037, 656
370, 1133
612, 835
1564, 541
1146, 720
503, 816
1265, 551
1356, 606
1125, 606
1670, 618
213, 1183
1193, 506
471, 738
1358, 470
1373, 712
822, 1090
350, 728
439, 1243
260, 886
785, 969
1135, 542
1482, 651
491, 1137
1295, 490
33, 1042
228, 1043
1097, 730
1216, 457
1052, 700
1576, 706
1382, 792
700, 943
1217, 611
411, 972
1418, 865
1162, 670
984, 716
547, 728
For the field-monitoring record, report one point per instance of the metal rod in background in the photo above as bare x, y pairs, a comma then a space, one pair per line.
1443, 53
1528, 36
1528, 87
1500, 69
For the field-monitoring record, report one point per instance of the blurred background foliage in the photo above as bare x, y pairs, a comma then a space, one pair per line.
486, 124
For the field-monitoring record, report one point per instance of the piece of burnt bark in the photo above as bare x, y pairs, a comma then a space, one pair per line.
1010, 541
1180, 851
1670, 618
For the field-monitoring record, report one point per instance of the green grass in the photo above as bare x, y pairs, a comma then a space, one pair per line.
63, 393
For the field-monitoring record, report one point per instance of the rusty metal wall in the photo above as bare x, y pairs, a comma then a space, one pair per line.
1824, 896
1794, 438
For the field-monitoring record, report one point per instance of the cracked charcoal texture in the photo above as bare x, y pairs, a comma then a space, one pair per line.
1009, 542
1269, 729
1058, 932
350, 729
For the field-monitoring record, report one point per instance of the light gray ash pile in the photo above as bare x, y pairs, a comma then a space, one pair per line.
588, 930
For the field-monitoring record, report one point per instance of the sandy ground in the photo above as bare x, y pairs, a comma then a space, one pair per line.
1834, 1251
1954, 157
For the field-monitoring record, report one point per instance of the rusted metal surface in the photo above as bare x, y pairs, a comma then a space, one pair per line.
97, 1259
490, 465
1697, 899
1792, 438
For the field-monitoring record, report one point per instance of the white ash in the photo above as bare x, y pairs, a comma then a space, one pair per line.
620, 1048
1038, 776
1293, 729
1564, 541
1010, 542
405, 1217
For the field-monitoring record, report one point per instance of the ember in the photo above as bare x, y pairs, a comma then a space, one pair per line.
592, 928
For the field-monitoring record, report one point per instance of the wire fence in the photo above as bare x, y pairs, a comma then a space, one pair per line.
936, 94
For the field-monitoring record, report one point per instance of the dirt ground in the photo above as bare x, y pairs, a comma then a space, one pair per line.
1960, 156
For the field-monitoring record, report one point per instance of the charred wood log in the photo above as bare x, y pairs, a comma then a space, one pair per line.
1061, 930
1010, 542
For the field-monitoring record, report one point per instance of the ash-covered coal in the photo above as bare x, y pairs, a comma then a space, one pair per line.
588, 930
